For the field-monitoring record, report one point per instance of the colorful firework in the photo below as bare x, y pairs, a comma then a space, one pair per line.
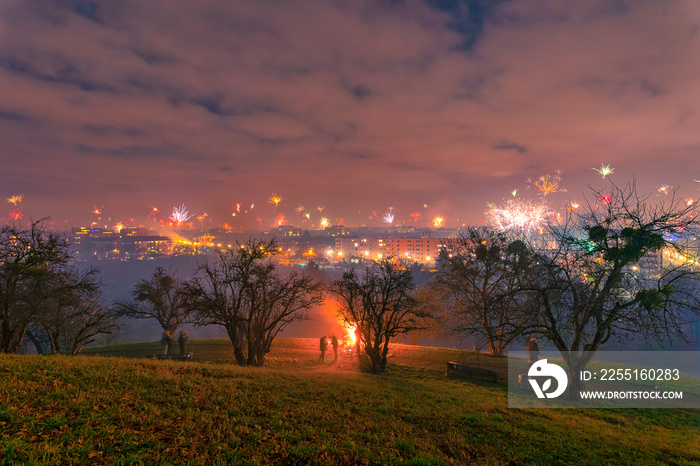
16, 199
238, 207
415, 216
548, 184
274, 200
307, 215
605, 198
280, 220
202, 217
388, 218
324, 222
573, 205
438, 221
180, 215
689, 201
16, 214
514, 192
604, 170
97, 210
320, 208
300, 208
517, 214
663, 188
154, 210
118, 227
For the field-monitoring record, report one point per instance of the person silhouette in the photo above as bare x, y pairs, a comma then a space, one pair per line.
182, 341
334, 342
324, 346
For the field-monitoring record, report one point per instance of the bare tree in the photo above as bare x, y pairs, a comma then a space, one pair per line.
243, 292
480, 278
381, 303
27, 258
158, 297
70, 312
602, 274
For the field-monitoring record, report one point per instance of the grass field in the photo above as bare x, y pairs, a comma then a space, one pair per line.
130, 409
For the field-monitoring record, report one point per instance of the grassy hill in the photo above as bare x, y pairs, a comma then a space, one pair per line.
129, 409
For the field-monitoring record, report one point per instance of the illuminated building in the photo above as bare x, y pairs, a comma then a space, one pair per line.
412, 249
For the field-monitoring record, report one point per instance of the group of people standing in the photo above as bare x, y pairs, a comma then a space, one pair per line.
324, 346
166, 341
333, 341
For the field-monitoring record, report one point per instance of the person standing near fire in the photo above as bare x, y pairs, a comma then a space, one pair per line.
324, 346
334, 342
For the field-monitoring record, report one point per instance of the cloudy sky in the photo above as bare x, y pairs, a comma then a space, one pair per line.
357, 106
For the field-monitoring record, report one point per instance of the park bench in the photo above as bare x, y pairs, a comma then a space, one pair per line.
454, 368
174, 357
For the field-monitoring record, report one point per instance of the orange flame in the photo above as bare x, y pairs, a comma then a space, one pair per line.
350, 334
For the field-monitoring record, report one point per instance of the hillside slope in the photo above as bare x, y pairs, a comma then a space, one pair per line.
128, 410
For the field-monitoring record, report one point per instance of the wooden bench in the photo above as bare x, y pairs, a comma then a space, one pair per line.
174, 357
471, 372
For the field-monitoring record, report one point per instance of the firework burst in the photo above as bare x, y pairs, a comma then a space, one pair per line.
438, 221
274, 200
16, 199
517, 214
548, 184
180, 215
604, 170
280, 220
388, 218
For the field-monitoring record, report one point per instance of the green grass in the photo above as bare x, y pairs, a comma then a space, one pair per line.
128, 409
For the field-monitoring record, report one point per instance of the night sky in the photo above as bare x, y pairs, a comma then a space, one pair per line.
357, 106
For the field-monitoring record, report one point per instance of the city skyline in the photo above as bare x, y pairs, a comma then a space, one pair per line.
351, 112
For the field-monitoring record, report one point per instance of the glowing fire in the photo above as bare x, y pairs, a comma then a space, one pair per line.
350, 334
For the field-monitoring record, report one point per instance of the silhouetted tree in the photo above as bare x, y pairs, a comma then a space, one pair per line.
158, 297
243, 292
380, 301
601, 274
28, 257
70, 312
480, 278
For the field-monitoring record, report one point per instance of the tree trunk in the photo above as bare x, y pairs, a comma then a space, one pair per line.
37, 344
236, 336
260, 354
